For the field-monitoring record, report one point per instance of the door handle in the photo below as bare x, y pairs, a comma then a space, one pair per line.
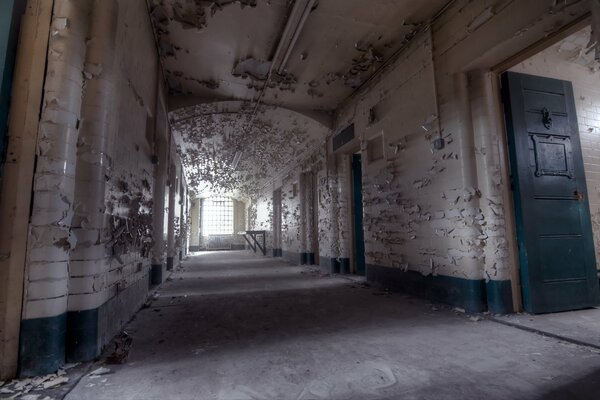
578, 195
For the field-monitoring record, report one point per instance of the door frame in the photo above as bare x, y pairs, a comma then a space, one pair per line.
497, 71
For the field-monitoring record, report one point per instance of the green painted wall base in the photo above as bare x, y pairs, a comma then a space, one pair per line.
82, 336
170, 263
467, 294
499, 297
335, 265
344, 266
307, 258
329, 265
156, 274
42, 345
293, 257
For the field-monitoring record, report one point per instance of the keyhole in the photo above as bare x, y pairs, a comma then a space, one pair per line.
547, 118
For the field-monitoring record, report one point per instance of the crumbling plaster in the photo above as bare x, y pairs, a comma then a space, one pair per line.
336, 52
438, 212
445, 208
209, 136
91, 231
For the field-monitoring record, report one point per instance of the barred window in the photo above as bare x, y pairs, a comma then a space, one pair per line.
217, 216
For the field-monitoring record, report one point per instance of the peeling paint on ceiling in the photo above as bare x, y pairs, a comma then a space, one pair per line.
209, 137
222, 51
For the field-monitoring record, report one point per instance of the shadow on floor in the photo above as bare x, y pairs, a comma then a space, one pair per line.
586, 388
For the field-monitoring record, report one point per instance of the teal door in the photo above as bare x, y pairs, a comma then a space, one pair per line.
357, 200
10, 11
554, 234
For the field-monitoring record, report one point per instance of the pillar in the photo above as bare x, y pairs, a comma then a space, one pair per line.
89, 266
43, 328
161, 171
492, 184
195, 225
171, 250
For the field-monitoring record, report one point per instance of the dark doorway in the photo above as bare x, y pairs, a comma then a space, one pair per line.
315, 218
554, 234
277, 248
357, 207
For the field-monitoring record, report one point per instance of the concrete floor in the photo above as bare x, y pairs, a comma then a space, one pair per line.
235, 326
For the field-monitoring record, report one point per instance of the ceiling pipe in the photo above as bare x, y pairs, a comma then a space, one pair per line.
304, 7
291, 32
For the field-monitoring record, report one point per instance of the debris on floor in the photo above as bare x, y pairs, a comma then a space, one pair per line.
312, 271
20, 388
100, 371
121, 346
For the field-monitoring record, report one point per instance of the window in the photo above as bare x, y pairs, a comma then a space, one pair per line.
217, 216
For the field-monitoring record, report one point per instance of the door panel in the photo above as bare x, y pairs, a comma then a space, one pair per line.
556, 248
357, 200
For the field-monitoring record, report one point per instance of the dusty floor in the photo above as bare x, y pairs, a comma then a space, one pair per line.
235, 326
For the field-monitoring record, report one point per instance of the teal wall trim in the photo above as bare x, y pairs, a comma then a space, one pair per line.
277, 253
194, 248
499, 297
82, 335
344, 266
307, 258
42, 345
10, 12
156, 274
169, 263
293, 257
329, 265
238, 247
467, 294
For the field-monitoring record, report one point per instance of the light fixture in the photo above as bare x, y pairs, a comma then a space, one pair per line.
236, 160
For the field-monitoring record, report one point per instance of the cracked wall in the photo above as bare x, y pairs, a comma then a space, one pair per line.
91, 233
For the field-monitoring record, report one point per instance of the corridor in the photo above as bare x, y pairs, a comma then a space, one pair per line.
235, 326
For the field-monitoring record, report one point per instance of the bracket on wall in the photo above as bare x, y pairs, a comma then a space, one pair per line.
255, 244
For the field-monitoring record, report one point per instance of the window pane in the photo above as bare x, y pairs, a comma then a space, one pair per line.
217, 216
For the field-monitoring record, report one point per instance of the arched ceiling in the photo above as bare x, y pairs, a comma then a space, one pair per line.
234, 148
301, 55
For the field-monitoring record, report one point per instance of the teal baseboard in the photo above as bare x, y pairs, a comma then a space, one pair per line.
467, 294
499, 297
82, 336
334, 265
42, 345
156, 274
344, 266
293, 257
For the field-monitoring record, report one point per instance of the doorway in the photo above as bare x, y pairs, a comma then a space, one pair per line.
315, 218
549, 100
357, 215
277, 225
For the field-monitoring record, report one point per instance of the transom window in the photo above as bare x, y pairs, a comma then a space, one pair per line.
217, 216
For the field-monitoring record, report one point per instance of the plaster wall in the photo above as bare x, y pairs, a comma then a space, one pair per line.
436, 221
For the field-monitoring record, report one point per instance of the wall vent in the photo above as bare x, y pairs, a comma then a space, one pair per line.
343, 137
